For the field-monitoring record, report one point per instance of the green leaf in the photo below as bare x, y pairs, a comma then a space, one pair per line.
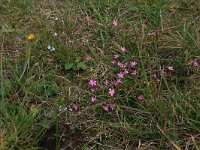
82, 65
78, 59
68, 66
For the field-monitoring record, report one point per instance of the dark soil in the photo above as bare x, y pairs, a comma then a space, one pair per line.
67, 139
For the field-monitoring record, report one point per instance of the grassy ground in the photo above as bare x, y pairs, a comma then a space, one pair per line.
47, 101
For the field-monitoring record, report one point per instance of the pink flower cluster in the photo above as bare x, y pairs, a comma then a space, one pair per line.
93, 85
126, 68
110, 83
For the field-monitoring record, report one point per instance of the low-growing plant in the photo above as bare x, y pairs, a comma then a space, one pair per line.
76, 65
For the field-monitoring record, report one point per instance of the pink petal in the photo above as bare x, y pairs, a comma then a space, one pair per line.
141, 97
133, 63
119, 81
123, 49
92, 89
92, 82
88, 58
134, 72
170, 68
120, 64
116, 56
115, 22
196, 63
126, 71
106, 82
74, 106
163, 72
113, 62
106, 108
120, 75
94, 98
111, 92
111, 106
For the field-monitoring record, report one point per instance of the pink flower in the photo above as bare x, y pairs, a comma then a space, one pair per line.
106, 82
113, 62
120, 75
111, 92
111, 106
120, 64
134, 72
92, 89
119, 81
133, 63
94, 98
126, 71
141, 97
74, 106
196, 63
163, 72
92, 82
123, 49
170, 68
88, 58
106, 107
116, 56
115, 22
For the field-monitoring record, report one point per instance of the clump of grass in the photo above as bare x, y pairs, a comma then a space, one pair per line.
21, 126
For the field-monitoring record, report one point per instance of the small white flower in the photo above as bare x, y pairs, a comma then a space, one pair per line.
55, 34
56, 18
52, 49
49, 47
60, 108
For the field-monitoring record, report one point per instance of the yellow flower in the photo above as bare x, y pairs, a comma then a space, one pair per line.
31, 37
